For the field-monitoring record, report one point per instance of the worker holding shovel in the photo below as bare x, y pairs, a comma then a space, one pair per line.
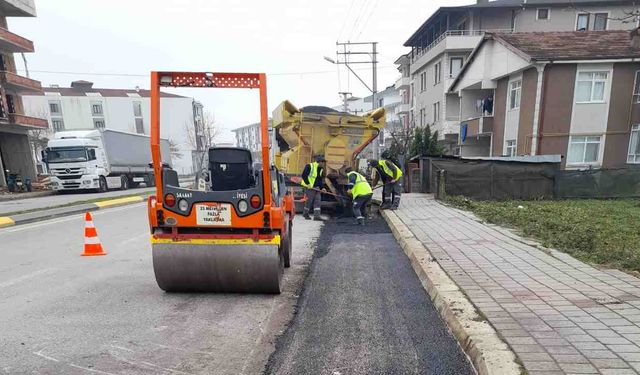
312, 180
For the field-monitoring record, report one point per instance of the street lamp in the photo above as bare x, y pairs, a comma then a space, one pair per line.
329, 59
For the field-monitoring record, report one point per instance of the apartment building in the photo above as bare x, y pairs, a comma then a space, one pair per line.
16, 154
441, 46
82, 106
575, 94
248, 136
389, 99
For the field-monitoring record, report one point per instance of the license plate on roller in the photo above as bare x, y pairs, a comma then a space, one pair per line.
213, 214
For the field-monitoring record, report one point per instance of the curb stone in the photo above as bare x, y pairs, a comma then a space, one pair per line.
488, 353
26, 218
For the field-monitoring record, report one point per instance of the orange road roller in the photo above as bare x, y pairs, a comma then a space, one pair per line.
234, 232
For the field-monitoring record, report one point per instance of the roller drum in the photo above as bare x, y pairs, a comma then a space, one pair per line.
242, 268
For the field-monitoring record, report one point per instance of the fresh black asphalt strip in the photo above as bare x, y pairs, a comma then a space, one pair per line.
364, 311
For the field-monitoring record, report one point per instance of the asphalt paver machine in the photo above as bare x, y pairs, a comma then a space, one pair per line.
236, 234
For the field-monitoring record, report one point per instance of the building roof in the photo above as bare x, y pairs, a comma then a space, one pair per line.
82, 88
506, 4
561, 46
108, 93
571, 45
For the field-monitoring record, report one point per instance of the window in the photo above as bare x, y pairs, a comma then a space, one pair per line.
54, 108
437, 73
57, 124
583, 149
600, 21
634, 145
542, 14
510, 148
590, 87
423, 81
98, 123
514, 94
436, 112
96, 109
381, 137
381, 103
636, 88
582, 23
139, 126
455, 65
423, 117
137, 109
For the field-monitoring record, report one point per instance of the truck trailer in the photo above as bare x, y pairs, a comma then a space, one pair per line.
99, 160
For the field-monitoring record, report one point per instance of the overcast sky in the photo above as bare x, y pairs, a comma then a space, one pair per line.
116, 43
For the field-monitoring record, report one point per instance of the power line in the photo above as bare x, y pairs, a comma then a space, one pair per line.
147, 75
360, 13
346, 18
366, 21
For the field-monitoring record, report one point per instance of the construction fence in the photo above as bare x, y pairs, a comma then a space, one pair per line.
505, 180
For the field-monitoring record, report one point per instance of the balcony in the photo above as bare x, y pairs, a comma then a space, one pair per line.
19, 84
458, 40
10, 42
478, 126
18, 8
403, 108
26, 121
403, 83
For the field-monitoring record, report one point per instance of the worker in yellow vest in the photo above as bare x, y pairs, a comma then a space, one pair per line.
391, 176
312, 180
360, 191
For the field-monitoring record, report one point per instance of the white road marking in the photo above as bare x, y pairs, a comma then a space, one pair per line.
68, 218
25, 277
181, 349
122, 348
139, 237
39, 354
143, 364
90, 369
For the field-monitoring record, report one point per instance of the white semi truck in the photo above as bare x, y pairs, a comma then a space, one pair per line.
100, 160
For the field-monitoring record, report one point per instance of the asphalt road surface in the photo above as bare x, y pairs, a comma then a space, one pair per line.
65, 314
63, 199
364, 311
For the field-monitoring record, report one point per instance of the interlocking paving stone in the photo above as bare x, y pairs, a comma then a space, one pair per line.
558, 314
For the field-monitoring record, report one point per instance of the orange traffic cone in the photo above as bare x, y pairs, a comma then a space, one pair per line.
92, 244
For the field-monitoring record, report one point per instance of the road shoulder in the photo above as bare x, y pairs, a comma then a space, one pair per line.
488, 352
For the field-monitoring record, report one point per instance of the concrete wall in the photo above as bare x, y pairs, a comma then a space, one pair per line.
621, 110
564, 18
499, 114
118, 115
16, 154
527, 106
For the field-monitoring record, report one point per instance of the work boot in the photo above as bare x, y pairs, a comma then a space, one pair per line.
395, 204
316, 215
360, 221
305, 213
385, 206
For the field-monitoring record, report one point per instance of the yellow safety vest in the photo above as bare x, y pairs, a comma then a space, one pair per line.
313, 174
388, 171
361, 187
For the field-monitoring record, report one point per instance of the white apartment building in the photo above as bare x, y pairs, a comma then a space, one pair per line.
82, 107
440, 47
389, 99
248, 136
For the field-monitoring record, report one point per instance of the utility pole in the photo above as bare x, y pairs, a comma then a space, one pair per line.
344, 53
345, 97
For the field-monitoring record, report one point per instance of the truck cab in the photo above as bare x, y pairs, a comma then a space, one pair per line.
76, 161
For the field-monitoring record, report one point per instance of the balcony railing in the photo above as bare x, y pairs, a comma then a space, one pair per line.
402, 82
19, 84
27, 121
403, 108
10, 42
419, 51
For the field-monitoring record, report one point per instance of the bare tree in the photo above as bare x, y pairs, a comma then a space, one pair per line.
174, 149
201, 135
38, 138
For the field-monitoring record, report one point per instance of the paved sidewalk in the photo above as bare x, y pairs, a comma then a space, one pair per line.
559, 315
